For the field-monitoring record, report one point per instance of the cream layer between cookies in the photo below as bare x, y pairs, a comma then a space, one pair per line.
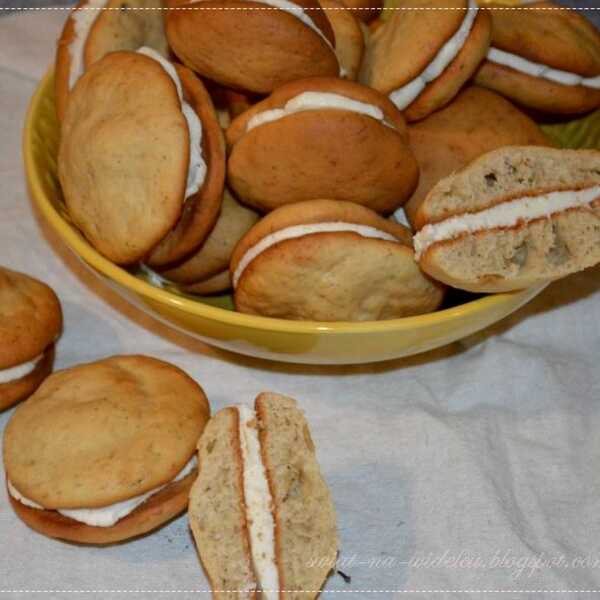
518, 63
259, 506
20, 371
83, 19
197, 167
297, 231
408, 93
316, 101
506, 214
106, 516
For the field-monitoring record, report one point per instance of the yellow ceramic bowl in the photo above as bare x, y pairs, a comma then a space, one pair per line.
276, 339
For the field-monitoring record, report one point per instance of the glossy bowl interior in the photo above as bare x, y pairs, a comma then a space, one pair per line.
213, 321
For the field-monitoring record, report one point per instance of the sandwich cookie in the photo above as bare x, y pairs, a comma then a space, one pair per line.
422, 58
547, 60
141, 159
105, 451
97, 27
326, 260
321, 138
253, 45
30, 322
260, 510
349, 38
475, 122
208, 268
514, 217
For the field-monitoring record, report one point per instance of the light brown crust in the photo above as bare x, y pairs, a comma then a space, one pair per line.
30, 318
316, 211
103, 432
536, 92
16, 391
215, 253
155, 512
476, 122
200, 211
259, 52
123, 156
221, 282
403, 46
322, 153
445, 87
62, 66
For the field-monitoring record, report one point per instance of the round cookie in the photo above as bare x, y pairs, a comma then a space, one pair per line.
422, 58
321, 138
30, 322
365, 10
105, 451
515, 217
97, 27
475, 122
253, 45
326, 260
142, 173
212, 259
546, 60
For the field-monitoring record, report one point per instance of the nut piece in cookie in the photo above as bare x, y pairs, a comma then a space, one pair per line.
105, 451
422, 57
476, 122
253, 45
30, 322
546, 59
326, 260
141, 160
515, 217
97, 27
321, 138
260, 510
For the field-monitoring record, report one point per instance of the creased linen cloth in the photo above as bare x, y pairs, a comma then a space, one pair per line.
462, 473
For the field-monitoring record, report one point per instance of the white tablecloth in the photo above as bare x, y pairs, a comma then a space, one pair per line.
466, 471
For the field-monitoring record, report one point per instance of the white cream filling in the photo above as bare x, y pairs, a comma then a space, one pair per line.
534, 69
83, 19
506, 214
197, 167
407, 94
297, 231
106, 516
316, 101
20, 371
259, 504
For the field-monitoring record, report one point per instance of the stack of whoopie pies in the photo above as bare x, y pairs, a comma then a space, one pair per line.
270, 148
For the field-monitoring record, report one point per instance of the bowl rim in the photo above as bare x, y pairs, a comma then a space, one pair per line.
83, 249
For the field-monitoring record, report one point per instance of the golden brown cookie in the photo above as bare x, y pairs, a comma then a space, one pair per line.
546, 59
253, 45
422, 58
321, 138
515, 217
365, 10
30, 322
142, 173
326, 260
109, 445
97, 27
474, 123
